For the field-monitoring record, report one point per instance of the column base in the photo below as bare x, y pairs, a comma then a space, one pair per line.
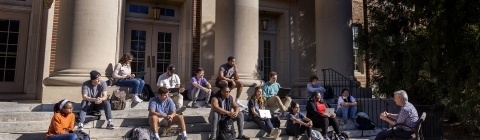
247, 90
70, 77
53, 94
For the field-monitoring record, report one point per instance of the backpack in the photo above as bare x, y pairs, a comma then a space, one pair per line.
328, 93
117, 100
81, 135
139, 133
246, 115
226, 128
147, 93
316, 135
364, 123
275, 121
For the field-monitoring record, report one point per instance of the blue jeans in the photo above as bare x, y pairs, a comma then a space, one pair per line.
347, 112
136, 84
70, 136
86, 105
266, 124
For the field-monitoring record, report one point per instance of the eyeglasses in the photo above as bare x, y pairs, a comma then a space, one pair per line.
295, 107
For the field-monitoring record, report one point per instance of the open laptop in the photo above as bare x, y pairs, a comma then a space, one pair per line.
140, 74
283, 92
330, 111
264, 113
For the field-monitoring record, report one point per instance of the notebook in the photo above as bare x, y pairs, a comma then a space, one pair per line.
283, 92
140, 75
330, 111
264, 113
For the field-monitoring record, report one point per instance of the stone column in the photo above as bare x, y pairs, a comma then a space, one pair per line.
334, 36
86, 40
236, 34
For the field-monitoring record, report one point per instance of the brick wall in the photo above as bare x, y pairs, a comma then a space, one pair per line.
197, 21
54, 35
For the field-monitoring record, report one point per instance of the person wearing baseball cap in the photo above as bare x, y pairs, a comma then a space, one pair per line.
94, 92
171, 80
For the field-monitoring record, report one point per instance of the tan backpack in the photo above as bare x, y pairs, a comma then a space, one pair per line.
117, 101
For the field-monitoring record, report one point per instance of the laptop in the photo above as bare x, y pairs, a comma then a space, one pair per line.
283, 92
264, 113
140, 74
174, 90
330, 111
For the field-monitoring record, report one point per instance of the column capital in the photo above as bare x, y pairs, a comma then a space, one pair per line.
47, 3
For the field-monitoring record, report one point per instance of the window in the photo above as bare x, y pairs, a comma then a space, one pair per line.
357, 62
167, 12
138, 9
9, 33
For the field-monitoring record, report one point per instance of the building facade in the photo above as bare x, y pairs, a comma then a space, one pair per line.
48, 47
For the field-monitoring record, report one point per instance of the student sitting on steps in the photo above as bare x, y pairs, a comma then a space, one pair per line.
316, 109
257, 102
162, 112
199, 89
62, 123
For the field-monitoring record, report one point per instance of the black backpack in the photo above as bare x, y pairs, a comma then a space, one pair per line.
147, 93
226, 128
364, 123
328, 93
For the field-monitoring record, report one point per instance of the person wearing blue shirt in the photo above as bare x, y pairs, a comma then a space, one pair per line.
408, 115
270, 90
314, 87
298, 123
162, 112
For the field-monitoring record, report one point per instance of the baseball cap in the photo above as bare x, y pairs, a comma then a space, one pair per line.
94, 74
171, 68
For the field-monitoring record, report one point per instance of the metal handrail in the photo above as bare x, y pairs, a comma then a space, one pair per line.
338, 82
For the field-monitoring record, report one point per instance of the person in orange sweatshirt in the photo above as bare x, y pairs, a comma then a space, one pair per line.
61, 126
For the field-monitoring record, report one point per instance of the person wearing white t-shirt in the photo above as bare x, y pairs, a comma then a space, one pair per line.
347, 108
171, 80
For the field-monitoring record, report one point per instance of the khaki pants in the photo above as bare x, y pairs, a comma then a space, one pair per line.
281, 103
178, 100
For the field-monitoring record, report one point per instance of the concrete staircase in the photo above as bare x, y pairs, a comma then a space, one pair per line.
30, 121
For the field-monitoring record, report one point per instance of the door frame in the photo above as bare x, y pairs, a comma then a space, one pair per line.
19, 82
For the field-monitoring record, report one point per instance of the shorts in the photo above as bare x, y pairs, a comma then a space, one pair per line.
162, 122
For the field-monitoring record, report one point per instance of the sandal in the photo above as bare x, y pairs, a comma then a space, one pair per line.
243, 137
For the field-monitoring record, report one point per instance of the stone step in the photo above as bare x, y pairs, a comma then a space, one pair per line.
193, 124
118, 133
29, 107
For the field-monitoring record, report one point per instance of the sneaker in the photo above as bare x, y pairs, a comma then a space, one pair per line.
136, 99
110, 126
194, 105
353, 120
276, 133
207, 105
341, 137
185, 138
180, 111
80, 126
240, 104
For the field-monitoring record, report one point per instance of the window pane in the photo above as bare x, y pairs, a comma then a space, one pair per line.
3, 25
162, 11
134, 46
167, 56
141, 45
134, 54
160, 47
3, 50
159, 67
144, 9
142, 35
159, 57
141, 56
14, 25
9, 75
141, 66
134, 35
170, 13
12, 50
133, 8
2, 62
133, 65
161, 37
168, 47
13, 38
3, 37
168, 37
2, 73
11, 62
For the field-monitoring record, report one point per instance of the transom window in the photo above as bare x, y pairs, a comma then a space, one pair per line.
133, 8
